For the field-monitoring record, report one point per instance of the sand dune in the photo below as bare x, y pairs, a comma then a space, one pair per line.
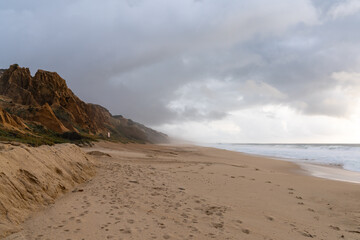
187, 192
34, 177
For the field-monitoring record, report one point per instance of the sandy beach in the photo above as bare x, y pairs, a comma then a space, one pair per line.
190, 192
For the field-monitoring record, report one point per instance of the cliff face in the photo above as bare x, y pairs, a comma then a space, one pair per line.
45, 87
49, 95
11, 121
44, 99
2, 71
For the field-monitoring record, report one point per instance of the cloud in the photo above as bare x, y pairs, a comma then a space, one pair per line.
348, 79
339, 99
134, 56
268, 124
165, 62
344, 9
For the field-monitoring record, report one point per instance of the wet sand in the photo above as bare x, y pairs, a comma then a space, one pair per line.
189, 192
331, 172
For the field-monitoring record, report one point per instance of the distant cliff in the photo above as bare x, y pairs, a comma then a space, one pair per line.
42, 109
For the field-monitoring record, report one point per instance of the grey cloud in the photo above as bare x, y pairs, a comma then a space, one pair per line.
153, 61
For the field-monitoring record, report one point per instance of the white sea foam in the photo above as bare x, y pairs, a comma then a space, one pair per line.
345, 155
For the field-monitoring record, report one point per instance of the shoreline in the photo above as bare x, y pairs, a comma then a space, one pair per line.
190, 192
331, 172
326, 171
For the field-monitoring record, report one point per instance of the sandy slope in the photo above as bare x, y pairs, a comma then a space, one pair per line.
187, 192
34, 177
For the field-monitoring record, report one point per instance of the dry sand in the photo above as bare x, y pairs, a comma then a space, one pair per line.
31, 178
188, 192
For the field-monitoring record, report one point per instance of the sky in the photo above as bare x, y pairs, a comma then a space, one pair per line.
241, 71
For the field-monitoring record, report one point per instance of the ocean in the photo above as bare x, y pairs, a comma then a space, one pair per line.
346, 156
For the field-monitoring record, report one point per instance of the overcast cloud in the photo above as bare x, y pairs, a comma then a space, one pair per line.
186, 65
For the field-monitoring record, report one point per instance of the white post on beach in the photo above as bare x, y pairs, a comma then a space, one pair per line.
108, 134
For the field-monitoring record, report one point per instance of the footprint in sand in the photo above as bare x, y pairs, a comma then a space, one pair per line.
334, 228
219, 225
126, 230
307, 234
161, 225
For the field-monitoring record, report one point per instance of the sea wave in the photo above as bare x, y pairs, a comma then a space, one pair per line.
345, 155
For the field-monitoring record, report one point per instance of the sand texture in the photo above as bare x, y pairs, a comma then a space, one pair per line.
31, 178
187, 192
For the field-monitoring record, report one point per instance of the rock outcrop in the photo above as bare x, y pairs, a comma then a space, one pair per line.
45, 99
45, 116
11, 121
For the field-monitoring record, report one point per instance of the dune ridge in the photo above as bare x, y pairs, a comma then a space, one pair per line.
31, 178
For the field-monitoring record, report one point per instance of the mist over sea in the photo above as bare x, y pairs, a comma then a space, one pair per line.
345, 155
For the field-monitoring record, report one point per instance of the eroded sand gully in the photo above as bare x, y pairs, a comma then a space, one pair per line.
187, 192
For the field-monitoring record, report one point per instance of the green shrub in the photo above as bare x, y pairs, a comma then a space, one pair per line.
71, 136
